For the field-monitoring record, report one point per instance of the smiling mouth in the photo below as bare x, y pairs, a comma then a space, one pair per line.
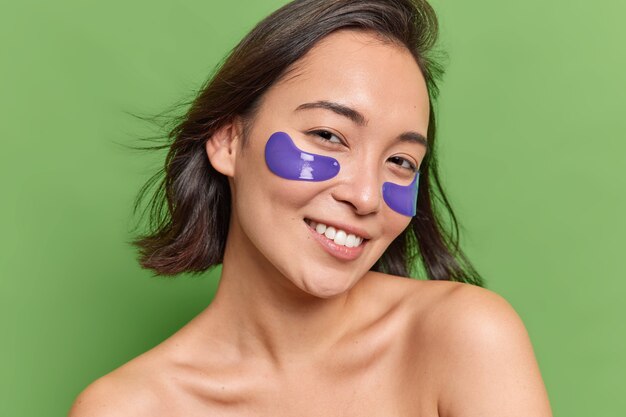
339, 236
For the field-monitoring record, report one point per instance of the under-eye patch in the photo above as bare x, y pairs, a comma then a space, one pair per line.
402, 198
284, 159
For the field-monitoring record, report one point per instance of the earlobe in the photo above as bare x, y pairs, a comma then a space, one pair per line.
221, 149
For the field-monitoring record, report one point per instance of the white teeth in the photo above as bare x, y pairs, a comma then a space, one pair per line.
340, 237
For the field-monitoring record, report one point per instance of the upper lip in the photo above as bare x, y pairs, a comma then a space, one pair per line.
345, 227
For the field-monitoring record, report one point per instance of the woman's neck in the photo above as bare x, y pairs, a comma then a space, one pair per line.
268, 315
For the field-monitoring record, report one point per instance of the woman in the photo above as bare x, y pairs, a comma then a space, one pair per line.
298, 167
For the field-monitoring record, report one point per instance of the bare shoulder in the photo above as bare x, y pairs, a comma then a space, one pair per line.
469, 309
472, 346
418, 298
451, 309
447, 308
473, 318
481, 353
131, 389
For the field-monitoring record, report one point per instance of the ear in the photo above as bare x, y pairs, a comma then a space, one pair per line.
221, 147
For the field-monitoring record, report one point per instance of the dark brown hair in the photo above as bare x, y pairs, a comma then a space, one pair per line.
190, 210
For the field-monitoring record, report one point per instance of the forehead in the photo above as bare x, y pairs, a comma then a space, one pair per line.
380, 79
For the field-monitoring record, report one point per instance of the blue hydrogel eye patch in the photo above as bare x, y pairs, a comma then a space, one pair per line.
284, 159
402, 198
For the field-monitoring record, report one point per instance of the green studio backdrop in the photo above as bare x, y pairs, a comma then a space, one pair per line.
532, 152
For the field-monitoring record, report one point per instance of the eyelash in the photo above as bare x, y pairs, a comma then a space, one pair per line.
318, 134
411, 167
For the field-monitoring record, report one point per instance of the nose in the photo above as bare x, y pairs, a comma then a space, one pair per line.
362, 190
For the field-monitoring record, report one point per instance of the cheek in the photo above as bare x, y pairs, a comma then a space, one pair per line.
280, 172
395, 224
259, 190
290, 194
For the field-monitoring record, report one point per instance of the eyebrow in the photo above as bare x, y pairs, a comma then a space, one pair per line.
359, 119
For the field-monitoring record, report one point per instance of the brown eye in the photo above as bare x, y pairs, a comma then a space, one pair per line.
403, 163
327, 136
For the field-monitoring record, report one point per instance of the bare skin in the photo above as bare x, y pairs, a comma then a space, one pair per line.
295, 331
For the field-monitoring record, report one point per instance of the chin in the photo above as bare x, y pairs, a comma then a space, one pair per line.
328, 286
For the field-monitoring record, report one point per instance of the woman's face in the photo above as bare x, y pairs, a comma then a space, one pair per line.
361, 102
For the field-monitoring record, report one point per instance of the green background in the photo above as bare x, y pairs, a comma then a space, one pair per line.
532, 152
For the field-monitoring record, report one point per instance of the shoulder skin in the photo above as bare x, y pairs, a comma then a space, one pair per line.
120, 393
485, 360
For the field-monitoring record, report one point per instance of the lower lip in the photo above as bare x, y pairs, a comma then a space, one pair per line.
338, 251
